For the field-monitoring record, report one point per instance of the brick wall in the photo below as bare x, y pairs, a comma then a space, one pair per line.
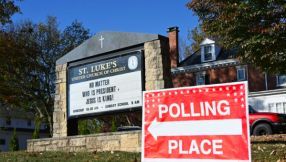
256, 79
229, 74
220, 75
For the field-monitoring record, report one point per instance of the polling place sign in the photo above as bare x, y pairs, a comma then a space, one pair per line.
197, 124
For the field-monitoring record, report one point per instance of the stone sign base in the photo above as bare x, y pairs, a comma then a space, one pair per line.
129, 141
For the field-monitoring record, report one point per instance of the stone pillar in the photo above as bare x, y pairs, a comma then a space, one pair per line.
60, 105
157, 65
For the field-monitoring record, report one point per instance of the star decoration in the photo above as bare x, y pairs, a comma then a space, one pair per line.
227, 88
241, 87
188, 91
207, 90
176, 92
181, 92
233, 88
147, 100
235, 94
213, 89
158, 100
147, 95
148, 111
164, 93
235, 100
200, 90
153, 100
153, 105
194, 91
153, 95
220, 89
242, 106
158, 94
242, 99
228, 94
148, 106
170, 93
241, 93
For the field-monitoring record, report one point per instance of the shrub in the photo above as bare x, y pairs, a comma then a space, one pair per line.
14, 143
36, 134
113, 126
85, 129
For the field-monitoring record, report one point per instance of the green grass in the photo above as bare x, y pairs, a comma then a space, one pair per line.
264, 152
260, 151
23, 156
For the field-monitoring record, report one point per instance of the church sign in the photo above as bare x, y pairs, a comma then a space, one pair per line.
106, 86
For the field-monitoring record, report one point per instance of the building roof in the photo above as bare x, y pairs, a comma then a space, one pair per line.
7, 111
195, 58
106, 41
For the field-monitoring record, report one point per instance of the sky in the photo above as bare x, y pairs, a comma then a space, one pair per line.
144, 16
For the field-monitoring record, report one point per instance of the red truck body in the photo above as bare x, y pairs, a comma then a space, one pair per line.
263, 123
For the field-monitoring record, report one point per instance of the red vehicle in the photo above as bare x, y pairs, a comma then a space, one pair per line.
266, 123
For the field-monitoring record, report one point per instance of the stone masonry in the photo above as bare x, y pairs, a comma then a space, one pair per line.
157, 65
115, 141
60, 105
158, 76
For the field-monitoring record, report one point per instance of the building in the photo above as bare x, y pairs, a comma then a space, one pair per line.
213, 65
24, 124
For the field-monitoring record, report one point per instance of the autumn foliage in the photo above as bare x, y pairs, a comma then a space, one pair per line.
256, 27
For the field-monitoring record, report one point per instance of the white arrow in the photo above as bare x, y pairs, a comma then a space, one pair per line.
196, 127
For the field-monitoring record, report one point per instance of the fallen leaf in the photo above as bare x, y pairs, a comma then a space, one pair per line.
97, 157
273, 153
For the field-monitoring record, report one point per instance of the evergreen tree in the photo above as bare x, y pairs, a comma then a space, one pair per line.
113, 126
36, 134
85, 129
14, 143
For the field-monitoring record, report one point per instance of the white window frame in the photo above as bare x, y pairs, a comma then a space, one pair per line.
275, 107
212, 52
239, 79
279, 85
197, 78
240, 67
198, 74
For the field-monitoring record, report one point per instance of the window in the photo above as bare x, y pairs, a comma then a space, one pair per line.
203, 79
29, 122
281, 80
277, 107
208, 53
8, 121
240, 74
2, 141
271, 107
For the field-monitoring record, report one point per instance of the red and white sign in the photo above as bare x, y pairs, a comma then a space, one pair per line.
197, 124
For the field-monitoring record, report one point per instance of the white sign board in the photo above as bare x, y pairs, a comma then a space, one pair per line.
106, 86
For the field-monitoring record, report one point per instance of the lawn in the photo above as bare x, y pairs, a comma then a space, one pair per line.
23, 156
263, 149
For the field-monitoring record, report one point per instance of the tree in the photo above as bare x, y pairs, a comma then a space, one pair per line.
8, 9
194, 37
256, 28
84, 128
36, 134
27, 70
113, 127
14, 143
